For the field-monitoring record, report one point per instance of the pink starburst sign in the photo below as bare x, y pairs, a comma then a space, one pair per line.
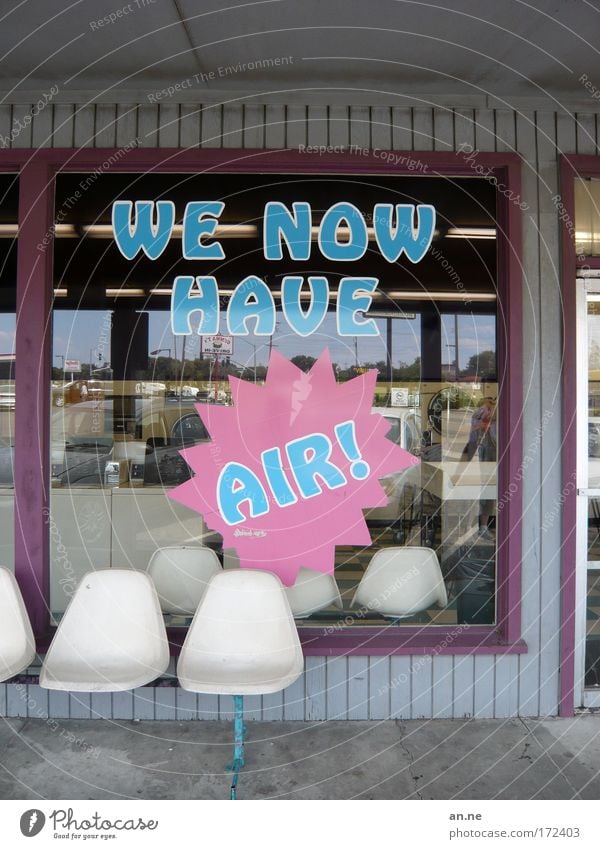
291, 466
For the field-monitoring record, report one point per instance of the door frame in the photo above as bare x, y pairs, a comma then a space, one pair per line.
573, 596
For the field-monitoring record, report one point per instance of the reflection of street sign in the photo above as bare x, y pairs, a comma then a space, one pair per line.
399, 396
217, 345
72, 365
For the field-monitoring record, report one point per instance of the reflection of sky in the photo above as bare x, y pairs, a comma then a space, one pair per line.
77, 334
7, 333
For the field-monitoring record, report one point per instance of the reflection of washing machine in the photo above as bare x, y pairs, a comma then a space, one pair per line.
472, 568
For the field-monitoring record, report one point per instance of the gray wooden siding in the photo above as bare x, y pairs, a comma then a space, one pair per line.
375, 687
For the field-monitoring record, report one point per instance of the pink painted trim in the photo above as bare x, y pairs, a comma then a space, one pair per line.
33, 553
570, 167
32, 412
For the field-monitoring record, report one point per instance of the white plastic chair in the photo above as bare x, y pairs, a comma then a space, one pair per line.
181, 575
312, 591
17, 644
401, 581
242, 640
112, 636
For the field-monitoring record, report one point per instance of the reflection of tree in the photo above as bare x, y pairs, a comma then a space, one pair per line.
481, 365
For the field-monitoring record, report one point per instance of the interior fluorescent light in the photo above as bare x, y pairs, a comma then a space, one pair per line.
105, 231
8, 231
471, 233
443, 296
61, 293
125, 293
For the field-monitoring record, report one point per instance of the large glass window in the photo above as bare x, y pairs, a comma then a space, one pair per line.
9, 199
124, 388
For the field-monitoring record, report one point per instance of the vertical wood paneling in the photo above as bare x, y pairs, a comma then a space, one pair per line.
58, 704
505, 130
402, 128
464, 674
360, 127
126, 124
101, 706
400, 688
483, 696
254, 126
422, 687
586, 133
339, 126
208, 706
358, 687
318, 128
379, 687
252, 707
233, 124
226, 708
381, 127
6, 123
168, 125
3, 710
64, 125
506, 694
189, 128
442, 687
21, 118
423, 128
16, 700
147, 126
122, 705
485, 124
443, 129
165, 703
337, 687
37, 701
293, 700
143, 703
186, 704
272, 706
106, 125
275, 126
79, 705
212, 126
464, 128
41, 133
84, 123
296, 129
566, 133
316, 688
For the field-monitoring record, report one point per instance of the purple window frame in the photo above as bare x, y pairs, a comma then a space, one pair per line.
37, 169
571, 167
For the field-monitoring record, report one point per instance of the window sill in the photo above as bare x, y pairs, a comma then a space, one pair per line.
434, 640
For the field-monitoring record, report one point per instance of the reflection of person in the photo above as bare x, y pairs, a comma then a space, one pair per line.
482, 440
83, 392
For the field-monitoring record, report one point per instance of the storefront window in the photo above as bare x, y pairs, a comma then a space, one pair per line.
9, 196
587, 216
124, 388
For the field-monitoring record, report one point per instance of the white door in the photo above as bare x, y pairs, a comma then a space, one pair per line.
588, 487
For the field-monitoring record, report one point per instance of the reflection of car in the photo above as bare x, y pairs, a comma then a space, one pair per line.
83, 443
7, 396
76, 392
405, 431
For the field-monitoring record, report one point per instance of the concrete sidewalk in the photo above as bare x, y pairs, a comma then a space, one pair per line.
439, 759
